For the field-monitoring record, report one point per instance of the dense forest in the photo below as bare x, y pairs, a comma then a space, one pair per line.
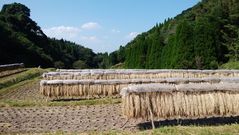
22, 40
202, 37
205, 36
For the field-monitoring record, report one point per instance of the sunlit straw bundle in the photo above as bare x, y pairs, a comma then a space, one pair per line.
102, 88
136, 74
189, 101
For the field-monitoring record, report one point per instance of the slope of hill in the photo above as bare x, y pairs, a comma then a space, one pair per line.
22, 40
202, 37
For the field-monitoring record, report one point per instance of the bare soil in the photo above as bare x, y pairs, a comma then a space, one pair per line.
29, 91
61, 118
69, 119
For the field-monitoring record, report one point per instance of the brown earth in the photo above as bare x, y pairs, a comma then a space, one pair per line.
29, 91
61, 118
69, 119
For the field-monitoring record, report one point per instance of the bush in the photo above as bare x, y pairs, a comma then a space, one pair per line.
213, 65
230, 65
79, 65
59, 64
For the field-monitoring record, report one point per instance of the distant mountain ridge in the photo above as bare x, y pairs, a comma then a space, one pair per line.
202, 37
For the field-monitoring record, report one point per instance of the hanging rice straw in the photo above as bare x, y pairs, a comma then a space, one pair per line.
187, 101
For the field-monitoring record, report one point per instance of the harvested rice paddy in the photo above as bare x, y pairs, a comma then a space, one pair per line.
24, 110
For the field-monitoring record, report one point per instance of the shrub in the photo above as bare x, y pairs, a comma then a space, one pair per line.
79, 65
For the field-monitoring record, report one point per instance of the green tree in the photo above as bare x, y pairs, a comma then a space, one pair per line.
15, 8
79, 65
59, 64
234, 49
205, 42
185, 50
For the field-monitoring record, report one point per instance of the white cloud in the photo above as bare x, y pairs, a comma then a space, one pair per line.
90, 26
99, 41
115, 31
65, 32
90, 38
132, 35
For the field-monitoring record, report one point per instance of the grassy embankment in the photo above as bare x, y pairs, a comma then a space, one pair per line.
17, 78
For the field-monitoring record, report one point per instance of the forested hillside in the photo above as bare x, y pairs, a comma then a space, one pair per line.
22, 40
202, 37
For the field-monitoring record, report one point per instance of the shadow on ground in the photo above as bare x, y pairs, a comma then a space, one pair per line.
213, 121
68, 100
82, 99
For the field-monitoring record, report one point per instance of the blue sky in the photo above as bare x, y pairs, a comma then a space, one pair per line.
102, 25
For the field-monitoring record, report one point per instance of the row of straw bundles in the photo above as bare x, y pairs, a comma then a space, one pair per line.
11, 66
138, 74
102, 88
180, 101
90, 70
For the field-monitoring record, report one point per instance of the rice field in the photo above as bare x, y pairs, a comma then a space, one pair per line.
122, 102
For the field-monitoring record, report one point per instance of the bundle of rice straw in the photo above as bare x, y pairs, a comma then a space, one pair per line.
187, 101
136, 74
103, 88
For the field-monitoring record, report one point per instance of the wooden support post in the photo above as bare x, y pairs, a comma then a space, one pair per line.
151, 116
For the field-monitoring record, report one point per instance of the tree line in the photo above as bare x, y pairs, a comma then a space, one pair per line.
22, 40
202, 37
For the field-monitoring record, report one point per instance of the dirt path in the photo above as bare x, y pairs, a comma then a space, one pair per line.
69, 119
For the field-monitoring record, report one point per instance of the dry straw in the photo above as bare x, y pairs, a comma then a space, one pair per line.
136, 74
102, 88
181, 101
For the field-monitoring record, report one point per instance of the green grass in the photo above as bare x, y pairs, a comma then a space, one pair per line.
198, 130
174, 130
16, 78
31, 103
85, 102
118, 66
230, 65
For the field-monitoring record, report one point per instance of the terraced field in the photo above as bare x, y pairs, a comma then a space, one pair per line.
69, 119
28, 91
24, 110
